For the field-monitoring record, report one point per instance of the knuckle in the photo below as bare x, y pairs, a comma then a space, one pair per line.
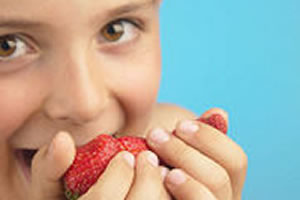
240, 162
220, 179
185, 154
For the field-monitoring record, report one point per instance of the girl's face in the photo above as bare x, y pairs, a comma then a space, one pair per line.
83, 66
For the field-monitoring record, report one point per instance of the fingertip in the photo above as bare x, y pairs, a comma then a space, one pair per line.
117, 176
148, 157
62, 151
65, 142
157, 136
129, 158
164, 172
122, 157
147, 180
152, 158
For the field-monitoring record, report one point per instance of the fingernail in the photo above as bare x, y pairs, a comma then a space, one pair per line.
152, 158
176, 177
159, 136
58, 138
188, 127
164, 172
52, 145
129, 158
51, 149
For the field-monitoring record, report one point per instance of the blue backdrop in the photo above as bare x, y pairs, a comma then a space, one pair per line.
242, 56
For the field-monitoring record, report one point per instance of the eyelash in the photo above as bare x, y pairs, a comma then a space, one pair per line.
25, 47
130, 30
20, 44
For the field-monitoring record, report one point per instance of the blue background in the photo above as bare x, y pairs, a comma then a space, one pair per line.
242, 56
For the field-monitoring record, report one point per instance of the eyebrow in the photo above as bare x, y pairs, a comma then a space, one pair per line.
131, 7
121, 10
125, 9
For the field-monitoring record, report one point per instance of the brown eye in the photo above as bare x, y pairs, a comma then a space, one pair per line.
113, 31
8, 46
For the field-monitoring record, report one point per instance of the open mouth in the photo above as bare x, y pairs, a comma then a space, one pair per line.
24, 157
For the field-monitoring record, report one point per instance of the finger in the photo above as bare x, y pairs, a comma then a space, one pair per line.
178, 154
218, 147
184, 187
148, 181
49, 165
164, 172
116, 180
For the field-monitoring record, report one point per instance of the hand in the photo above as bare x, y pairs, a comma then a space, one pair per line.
49, 165
208, 164
120, 181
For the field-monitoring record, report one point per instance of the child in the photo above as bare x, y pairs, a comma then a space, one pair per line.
70, 70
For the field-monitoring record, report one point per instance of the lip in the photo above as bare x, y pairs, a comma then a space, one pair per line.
24, 158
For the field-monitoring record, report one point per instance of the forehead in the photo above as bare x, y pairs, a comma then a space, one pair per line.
6, 4
63, 13
55, 7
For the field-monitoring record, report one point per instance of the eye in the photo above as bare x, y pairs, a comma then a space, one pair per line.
119, 31
11, 47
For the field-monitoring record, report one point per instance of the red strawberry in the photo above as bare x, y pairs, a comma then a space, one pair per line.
90, 162
92, 158
216, 121
134, 145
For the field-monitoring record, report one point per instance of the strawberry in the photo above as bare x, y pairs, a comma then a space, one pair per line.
89, 163
216, 121
92, 158
134, 145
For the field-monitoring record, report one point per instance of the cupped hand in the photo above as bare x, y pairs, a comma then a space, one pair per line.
207, 163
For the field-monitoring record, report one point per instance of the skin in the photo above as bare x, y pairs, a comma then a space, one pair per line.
72, 84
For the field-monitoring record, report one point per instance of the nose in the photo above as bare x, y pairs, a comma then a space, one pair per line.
77, 95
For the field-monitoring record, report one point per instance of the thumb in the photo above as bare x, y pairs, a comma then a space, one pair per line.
49, 165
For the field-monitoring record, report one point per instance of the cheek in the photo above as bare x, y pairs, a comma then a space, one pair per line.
13, 111
16, 103
137, 84
138, 88
141, 92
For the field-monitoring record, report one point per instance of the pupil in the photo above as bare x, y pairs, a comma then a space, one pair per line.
111, 30
5, 46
